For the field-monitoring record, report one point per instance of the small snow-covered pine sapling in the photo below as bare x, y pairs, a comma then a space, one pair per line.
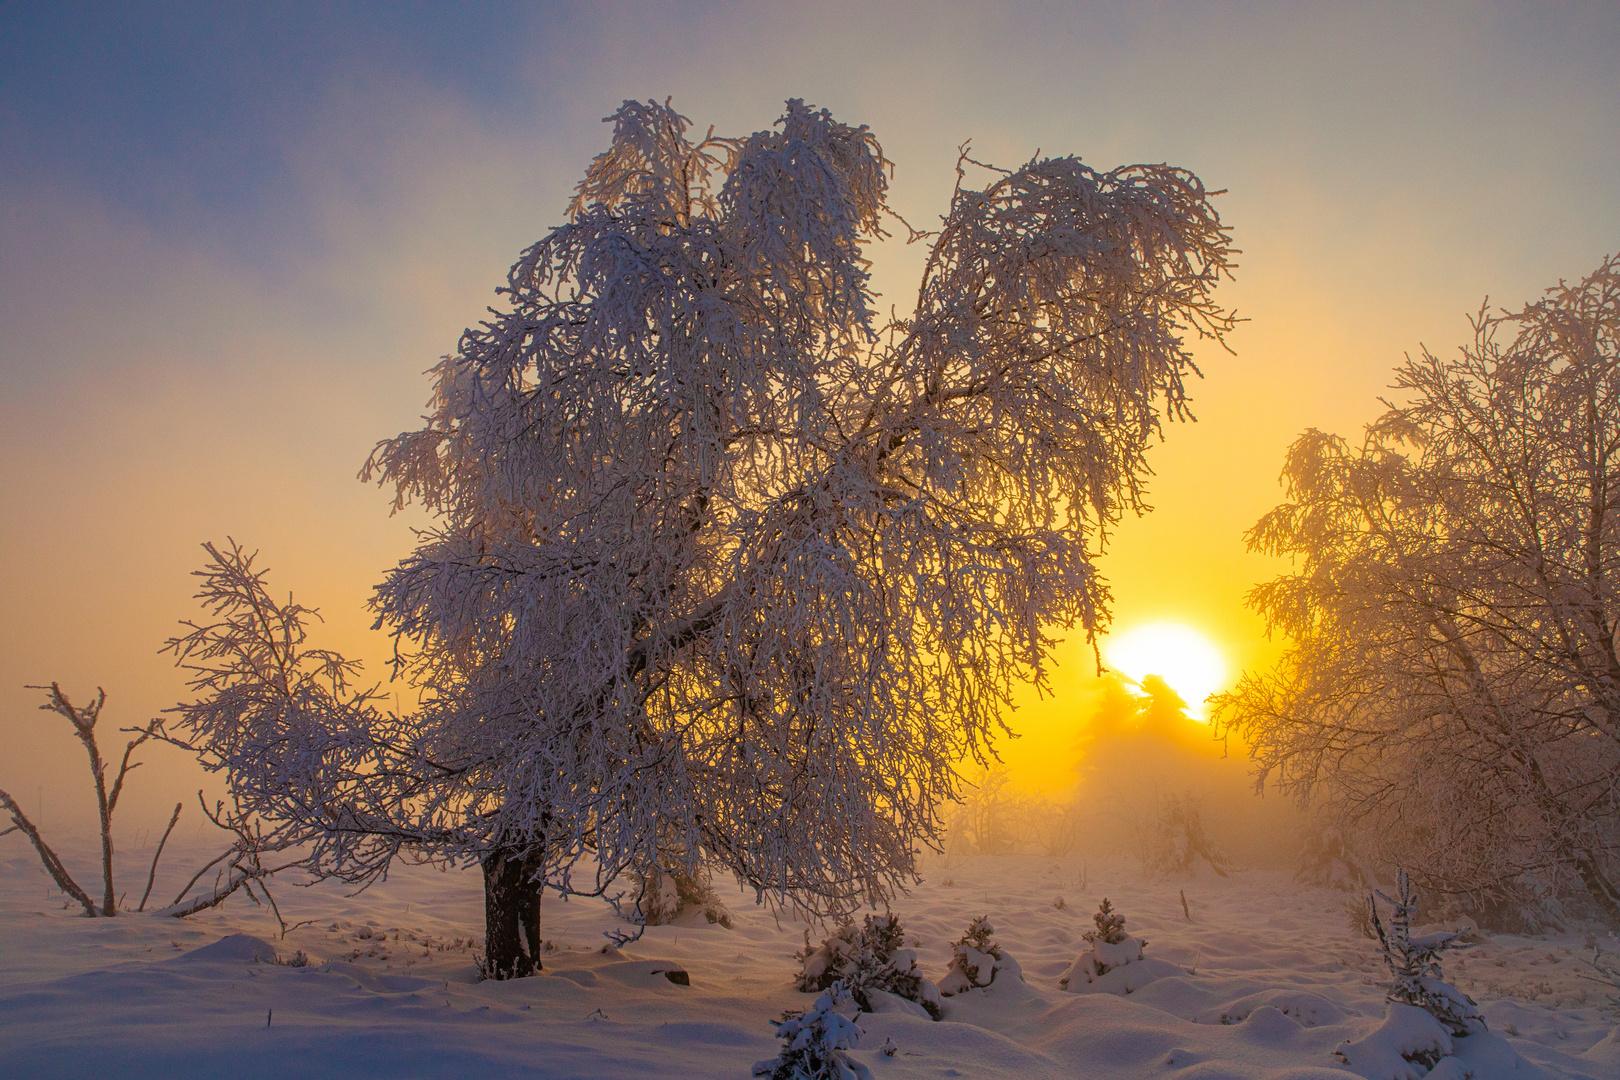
83, 719
814, 1043
865, 958
976, 959
1111, 947
1110, 925
1414, 962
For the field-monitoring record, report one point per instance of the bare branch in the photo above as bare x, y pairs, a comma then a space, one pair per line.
151, 875
53, 865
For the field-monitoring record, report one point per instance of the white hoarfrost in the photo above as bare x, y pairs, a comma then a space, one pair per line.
724, 567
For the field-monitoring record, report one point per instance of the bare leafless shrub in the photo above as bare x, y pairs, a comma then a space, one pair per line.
84, 720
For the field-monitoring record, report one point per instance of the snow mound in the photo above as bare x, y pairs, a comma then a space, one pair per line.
1301, 1006
1412, 1045
1606, 1051
234, 949
1127, 978
1406, 1046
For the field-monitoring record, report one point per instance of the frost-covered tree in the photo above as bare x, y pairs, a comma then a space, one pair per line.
725, 565
1452, 678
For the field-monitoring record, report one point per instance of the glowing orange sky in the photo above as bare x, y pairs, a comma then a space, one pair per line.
176, 376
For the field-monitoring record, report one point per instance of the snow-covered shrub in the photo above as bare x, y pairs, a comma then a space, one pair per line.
1414, 963
664, 895
866, 958
1115, 963
976, 960
814, 1043
1177, 840
1327, 859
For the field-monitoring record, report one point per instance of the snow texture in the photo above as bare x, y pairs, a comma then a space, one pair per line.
392, 988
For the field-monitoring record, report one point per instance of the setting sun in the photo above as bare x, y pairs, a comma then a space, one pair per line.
1175, 652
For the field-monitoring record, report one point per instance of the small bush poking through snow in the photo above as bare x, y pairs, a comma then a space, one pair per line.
663, 896
1111, 948
976, 959
1327, 859
1110, 926
1176, 842
1358, 916
870, 957
814, 1043
1414, 963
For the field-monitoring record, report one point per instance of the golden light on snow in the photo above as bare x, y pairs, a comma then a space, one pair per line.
1175, 652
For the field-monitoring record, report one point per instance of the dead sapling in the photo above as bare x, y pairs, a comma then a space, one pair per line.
84, 721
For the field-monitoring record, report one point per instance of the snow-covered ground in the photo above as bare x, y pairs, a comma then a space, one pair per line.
1273, 980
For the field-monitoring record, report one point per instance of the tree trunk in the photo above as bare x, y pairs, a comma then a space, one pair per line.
1597, 883
511, 916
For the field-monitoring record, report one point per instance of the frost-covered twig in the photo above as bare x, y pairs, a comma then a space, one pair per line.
53, 864
244, 865
1607, 966
158, 854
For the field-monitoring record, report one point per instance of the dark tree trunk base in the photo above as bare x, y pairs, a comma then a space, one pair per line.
1603, 891
511, 916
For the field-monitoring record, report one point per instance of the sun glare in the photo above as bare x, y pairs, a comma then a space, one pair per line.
1177, 653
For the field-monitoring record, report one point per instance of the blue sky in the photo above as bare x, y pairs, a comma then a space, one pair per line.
232, 237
